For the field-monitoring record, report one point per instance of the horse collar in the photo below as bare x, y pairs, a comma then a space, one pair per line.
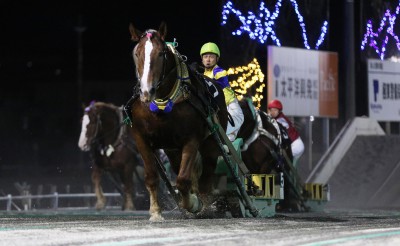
166, 105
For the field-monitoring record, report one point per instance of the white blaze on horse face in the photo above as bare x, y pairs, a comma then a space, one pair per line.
83, 145
144, 83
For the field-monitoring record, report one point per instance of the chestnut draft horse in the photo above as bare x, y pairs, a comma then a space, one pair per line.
112, 149
169, 111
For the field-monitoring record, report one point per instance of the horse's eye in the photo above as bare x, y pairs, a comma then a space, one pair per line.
161, 53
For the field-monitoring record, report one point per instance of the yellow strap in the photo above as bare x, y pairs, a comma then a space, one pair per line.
182, 74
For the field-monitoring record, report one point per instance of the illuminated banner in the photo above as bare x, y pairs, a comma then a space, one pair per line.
384, 90
305, 81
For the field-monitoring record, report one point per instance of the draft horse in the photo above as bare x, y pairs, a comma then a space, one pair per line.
169, 109
264, 140
112, 150
267, 149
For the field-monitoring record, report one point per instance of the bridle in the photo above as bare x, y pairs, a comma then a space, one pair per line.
149, 34
179, 90
96, 139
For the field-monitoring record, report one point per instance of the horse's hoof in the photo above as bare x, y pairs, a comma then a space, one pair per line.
156, 217
197, 205
187, 215
100, 206
226, 148
210, 212
129, 207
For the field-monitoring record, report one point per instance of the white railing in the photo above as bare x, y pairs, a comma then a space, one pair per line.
26, 200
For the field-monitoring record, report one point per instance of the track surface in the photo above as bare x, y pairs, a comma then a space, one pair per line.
112, 228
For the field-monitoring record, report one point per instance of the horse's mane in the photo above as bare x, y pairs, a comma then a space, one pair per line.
267, 123
100, 108
201, 90
249, 121
103, 104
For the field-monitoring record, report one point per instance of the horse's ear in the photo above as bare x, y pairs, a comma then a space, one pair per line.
135, 33
163, 30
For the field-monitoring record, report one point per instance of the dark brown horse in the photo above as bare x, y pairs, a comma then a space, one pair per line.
264, 141
267, 150
169, 109
112, 150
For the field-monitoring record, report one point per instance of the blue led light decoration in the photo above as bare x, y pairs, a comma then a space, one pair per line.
379, 39
260, 26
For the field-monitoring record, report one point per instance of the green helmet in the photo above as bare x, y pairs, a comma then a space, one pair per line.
209, 48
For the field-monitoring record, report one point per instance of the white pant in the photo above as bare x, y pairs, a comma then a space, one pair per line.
297, 150
236, 112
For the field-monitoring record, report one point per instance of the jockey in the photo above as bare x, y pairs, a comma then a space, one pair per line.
275, 110
210, 55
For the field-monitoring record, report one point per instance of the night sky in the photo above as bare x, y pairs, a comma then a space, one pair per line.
39, 102
41, 35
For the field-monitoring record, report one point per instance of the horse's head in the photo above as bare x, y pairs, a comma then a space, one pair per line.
150, 57
279, 131
249, 123
100, 123
89, 126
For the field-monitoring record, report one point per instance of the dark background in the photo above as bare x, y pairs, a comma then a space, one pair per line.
43, 82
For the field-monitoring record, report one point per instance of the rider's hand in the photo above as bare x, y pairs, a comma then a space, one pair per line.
194, 66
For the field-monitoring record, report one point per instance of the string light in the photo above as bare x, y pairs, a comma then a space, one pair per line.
245, 78
261, 26
386, 26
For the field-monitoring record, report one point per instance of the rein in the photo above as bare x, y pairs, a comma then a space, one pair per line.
276, 140
260, 130
164, 67
164, 52
165, 104
179, 89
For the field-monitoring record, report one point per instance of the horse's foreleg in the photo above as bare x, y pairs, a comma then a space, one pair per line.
187, 180
151, 178
209, 153
96, 179
127, 180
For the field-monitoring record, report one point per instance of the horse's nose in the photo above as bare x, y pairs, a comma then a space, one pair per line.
147, 95
144, 96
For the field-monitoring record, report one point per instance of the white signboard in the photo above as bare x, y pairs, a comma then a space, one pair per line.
384, 90
305, 81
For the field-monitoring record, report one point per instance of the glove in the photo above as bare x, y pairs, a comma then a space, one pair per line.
194, 66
